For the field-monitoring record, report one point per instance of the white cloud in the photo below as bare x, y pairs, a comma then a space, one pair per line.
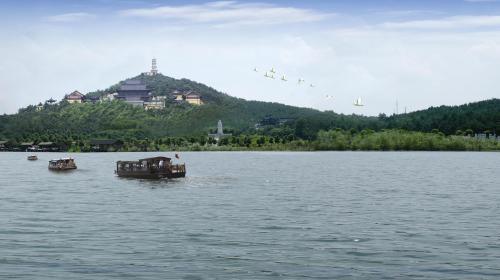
455, 22
229, 13
70, 17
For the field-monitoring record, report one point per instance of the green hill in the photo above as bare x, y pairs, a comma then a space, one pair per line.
118, 120
476, 117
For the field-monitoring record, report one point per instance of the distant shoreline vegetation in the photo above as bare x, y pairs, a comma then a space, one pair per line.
330, 140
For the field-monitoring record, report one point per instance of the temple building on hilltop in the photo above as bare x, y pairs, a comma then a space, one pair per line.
75, 97
189, 97
133, 92
193, 98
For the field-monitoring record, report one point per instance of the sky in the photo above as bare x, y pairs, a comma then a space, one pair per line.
415, 54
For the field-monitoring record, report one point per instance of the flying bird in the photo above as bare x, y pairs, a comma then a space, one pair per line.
269, 75
358, 102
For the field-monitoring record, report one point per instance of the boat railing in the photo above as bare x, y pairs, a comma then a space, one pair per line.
178, 168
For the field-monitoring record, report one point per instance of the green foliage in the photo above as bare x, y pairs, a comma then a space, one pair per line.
473, 117
183, 126
400, 140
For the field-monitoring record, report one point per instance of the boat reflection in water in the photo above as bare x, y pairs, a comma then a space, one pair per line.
150, 168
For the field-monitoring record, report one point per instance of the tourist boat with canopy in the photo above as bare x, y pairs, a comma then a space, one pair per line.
62, 164
32, 157
150, 168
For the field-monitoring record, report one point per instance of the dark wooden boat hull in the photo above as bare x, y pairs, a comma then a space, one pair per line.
150, 175
62, 168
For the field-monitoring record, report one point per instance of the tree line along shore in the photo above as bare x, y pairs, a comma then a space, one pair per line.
329, 140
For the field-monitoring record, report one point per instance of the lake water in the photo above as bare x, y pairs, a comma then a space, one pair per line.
261, 215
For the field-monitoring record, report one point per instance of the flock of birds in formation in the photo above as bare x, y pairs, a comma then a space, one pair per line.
300, 81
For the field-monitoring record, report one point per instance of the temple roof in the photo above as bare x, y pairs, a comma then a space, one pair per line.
153, 159
76, 92
192, 95
134, 85
75, 95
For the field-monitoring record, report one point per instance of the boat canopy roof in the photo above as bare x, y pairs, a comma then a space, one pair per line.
153, 159
61, 159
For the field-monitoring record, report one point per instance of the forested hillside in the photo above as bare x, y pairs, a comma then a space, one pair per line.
476, 117
117, 120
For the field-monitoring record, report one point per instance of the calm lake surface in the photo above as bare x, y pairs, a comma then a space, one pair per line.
254, 215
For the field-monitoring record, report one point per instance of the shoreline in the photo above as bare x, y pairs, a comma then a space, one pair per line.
262, 150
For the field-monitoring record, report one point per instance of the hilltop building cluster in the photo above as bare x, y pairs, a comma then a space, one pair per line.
137, 93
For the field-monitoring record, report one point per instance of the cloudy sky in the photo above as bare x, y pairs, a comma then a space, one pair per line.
417, 53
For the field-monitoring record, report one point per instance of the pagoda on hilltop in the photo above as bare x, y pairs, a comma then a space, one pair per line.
154, 69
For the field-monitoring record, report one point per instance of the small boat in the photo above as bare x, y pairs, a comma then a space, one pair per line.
150, 168
62, 164
32, 157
